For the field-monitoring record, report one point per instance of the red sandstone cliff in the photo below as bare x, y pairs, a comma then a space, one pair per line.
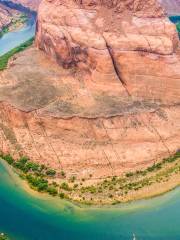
109, 103
130, 40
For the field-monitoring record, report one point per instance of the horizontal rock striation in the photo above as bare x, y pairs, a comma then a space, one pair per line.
85, 129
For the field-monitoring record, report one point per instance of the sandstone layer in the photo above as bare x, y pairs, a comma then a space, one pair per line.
49, 115
127, 41
102, 98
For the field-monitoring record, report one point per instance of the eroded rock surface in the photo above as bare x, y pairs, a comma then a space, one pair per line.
132, 41
85, 128
102, 97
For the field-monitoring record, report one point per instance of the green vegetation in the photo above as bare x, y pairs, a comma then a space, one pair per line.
51, 172
178, 26
155, 166
14, 24
115, 187
65, 186
4, 30
5, 58
3, 236
36, 174
42, 179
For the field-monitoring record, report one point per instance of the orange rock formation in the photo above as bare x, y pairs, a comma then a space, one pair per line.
107, 100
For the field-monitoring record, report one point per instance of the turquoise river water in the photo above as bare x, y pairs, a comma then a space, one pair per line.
13, 39
26, 215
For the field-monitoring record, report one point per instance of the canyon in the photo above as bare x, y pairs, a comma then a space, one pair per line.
13, 14
98, 93
6, 16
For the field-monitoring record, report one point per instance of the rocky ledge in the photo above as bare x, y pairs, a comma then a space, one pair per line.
99, 94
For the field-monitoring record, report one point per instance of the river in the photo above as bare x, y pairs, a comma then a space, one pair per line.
12, 39
25, 215
175, 19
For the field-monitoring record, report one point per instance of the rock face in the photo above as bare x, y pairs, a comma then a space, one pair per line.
106, 100
85, 128
128, 40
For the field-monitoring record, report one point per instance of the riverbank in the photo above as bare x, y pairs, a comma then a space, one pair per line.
5, 58
18, 21
176, 20
178, 28
51, 218
153, 181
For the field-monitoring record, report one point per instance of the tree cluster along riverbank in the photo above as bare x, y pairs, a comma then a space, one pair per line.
133, 185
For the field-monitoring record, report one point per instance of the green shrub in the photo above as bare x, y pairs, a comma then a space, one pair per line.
65, 186
72, 178
75, 185
63, 174
8, 158
52, 190
62, 195
51, 172
39, 183
129, 174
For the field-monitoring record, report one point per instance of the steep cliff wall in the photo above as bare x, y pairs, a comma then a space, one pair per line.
58, 118
129, 40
